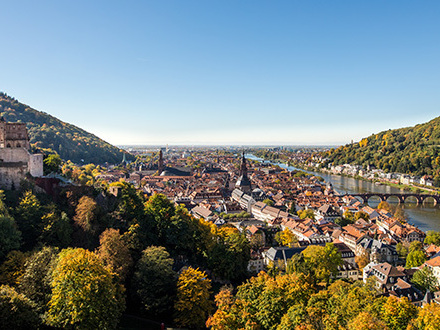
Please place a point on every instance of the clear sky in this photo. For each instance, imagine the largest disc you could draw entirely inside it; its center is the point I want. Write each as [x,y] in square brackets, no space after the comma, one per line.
[225,72]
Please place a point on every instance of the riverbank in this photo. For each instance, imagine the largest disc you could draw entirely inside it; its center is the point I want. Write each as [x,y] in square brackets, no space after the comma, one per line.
[426,216]
[409,188]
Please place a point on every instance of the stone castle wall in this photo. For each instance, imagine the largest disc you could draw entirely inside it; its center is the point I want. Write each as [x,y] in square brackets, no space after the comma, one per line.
[15,159]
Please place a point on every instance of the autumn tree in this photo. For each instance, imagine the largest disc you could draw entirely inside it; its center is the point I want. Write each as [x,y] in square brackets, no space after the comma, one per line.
[154,281]
[362,260]
[114,252]
[224,317]
[286,238]
[85,294]
[385,206]
[257,241]
[398,312]
[366,321]
[192,306]
[86,214]
[428,318]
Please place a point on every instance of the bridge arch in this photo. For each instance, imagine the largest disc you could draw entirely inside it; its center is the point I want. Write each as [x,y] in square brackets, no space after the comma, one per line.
[393,199]
[367,198]
[429,199]
[408,198]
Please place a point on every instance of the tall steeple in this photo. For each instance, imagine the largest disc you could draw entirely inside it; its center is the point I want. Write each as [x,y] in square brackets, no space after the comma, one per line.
[243,182]
[243,168]
[160,166]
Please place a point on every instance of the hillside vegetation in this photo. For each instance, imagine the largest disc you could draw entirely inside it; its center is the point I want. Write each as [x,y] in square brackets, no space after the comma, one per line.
[47,132]
[412,150]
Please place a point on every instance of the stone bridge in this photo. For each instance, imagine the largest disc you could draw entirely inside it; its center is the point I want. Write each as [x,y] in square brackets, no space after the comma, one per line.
[420,198]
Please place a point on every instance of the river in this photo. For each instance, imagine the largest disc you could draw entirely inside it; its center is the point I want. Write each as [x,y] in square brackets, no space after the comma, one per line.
[426,216]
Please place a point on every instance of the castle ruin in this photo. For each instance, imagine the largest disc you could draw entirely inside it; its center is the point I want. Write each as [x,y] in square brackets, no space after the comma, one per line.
[15,159]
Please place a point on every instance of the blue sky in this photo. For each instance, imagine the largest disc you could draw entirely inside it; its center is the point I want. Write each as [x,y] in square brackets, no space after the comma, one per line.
[225,72]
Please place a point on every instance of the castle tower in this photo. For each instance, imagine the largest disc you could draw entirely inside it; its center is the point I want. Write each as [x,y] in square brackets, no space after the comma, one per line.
[13,135]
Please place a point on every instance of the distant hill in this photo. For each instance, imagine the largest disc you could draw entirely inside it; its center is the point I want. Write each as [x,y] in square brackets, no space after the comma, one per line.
[412,150]
[69,141]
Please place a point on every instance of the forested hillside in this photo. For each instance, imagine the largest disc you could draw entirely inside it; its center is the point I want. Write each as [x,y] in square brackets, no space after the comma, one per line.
[413,150]
[69,141]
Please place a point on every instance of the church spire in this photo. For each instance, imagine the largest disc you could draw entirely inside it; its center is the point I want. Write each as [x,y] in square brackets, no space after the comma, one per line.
[160,167]
[243,169]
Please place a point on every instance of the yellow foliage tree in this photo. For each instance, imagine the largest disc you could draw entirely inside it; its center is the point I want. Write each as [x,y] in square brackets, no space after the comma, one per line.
[85,294]
[428,318]
[193,305]
[366,321]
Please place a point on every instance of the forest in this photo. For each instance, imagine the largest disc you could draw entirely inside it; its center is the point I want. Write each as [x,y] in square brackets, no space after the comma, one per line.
[48,135]
[411,150]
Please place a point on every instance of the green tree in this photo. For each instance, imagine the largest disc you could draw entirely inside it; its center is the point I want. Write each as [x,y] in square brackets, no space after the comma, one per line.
[28,217]
[424,279]
[57,230]
[415,259]
[308,213]
[10,236]
[415,246]
[85,294]
[268,202]
[361,215]
[192,305]
[16,310]
[154,281]
[432,237]
[37,275]
[13,267]
[229,255]
[52,163]
[400,214]
[323,260]
[402,250]
[292,207]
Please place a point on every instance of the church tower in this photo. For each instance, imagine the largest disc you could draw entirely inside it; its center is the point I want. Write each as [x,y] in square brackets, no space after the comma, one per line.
[243,182]
[160,166]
